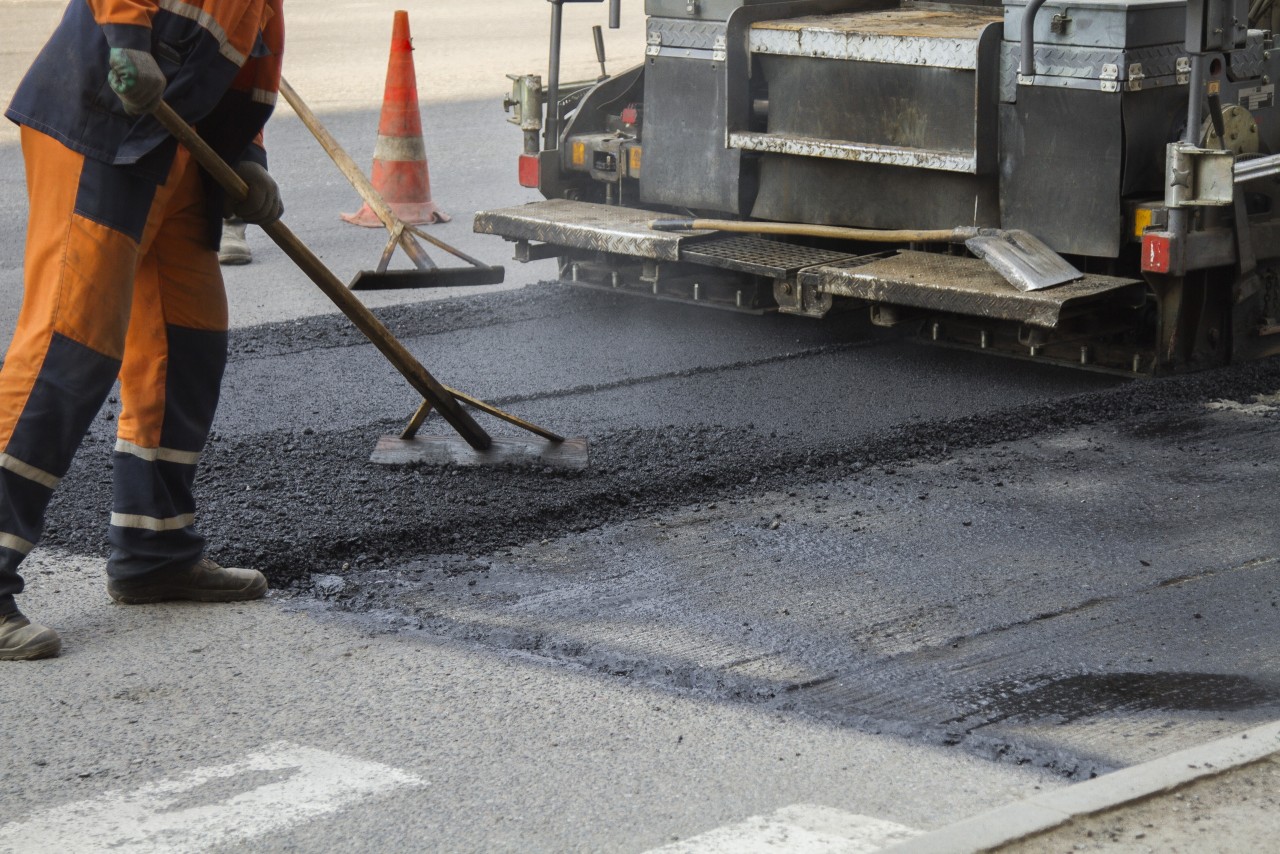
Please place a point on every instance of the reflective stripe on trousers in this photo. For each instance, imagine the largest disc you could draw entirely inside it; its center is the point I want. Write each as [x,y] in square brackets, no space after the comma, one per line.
[119,280]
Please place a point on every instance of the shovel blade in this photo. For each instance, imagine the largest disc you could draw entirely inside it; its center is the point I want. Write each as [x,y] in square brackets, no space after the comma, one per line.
[455,277]
[1023,259]
[446,450]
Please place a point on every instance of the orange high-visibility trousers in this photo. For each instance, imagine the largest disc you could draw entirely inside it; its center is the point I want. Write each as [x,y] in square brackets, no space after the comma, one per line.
[121,279]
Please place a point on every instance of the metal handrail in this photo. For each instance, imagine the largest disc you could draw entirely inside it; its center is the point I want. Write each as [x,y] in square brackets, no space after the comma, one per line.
[1257,167]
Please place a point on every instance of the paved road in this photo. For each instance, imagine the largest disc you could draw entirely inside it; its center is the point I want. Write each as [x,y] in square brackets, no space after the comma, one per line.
[912,642]
[499,752]
[821,584]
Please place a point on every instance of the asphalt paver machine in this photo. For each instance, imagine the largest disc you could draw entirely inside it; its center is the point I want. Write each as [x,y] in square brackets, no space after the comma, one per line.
[817,156]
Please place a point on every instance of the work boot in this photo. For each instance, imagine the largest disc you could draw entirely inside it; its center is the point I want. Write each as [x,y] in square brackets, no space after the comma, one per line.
[23,640]
[203,581]
[234,249]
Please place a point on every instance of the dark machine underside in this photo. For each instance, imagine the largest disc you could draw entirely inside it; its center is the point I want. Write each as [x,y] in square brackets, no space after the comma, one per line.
[924,116]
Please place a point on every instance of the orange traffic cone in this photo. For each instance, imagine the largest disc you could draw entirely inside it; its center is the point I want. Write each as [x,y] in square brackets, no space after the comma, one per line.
[400,160]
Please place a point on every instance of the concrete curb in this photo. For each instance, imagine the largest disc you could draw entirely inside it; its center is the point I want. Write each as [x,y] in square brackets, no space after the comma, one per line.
[1045,812]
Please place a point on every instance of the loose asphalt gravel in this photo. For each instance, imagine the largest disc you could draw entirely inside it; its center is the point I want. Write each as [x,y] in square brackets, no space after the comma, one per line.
[306,499]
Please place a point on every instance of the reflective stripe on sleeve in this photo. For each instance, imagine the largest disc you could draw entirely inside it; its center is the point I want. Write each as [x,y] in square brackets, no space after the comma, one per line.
[207,21]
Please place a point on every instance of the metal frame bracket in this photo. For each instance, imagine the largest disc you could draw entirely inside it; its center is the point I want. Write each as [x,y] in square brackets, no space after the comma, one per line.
[1198,177]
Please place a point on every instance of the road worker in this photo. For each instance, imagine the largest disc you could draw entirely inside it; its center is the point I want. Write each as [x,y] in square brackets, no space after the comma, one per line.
[121,279]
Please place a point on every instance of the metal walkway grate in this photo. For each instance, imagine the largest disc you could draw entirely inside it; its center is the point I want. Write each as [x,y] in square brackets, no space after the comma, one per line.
[760,257]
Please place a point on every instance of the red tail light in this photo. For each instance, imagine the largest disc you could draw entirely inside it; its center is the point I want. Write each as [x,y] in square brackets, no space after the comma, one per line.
[1156,253]
[529,172]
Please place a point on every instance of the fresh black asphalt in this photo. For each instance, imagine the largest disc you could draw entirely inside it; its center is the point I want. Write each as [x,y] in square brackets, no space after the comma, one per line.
[897,537]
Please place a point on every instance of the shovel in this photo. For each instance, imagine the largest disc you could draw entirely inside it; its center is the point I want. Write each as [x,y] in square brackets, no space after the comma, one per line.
[427,274]
[440,397]
[1025,261]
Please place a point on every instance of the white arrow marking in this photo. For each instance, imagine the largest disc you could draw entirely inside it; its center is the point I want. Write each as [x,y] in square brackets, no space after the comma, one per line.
[286,785]
[799,829]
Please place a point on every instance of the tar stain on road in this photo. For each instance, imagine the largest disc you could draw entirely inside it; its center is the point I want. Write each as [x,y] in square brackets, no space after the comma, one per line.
[1074,697]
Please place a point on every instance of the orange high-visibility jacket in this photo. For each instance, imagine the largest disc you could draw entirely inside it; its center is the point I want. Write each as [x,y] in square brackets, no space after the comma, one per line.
[221,59]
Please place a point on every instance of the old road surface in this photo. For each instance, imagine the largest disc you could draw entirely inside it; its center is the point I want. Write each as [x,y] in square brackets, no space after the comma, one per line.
[823,588]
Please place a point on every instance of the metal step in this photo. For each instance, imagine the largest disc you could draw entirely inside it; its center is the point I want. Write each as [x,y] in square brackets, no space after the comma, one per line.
[626,231]
[586,225]
[858,152]
[921,37]
[934,61]
[959,285]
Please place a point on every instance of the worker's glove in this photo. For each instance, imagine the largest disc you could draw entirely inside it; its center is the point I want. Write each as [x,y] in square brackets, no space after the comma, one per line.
[136,78]
[262,205]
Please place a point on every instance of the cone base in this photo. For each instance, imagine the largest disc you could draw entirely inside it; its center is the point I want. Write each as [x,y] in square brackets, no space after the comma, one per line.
[410,213]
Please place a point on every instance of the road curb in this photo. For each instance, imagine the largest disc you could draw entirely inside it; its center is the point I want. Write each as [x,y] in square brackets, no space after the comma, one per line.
[1050,810]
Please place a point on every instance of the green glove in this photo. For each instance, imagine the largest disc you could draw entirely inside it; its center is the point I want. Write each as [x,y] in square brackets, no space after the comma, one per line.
[136,78]
[262,205]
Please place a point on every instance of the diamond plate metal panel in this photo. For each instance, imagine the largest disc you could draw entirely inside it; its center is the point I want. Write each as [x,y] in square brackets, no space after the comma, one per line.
[1249,63]
[674,32]
[959,286]
[1103,23]
[1107,69]
[585,225]
[899,37]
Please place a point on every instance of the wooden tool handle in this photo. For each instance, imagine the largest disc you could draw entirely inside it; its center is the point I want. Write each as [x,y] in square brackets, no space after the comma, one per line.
[365,188]
[365,321]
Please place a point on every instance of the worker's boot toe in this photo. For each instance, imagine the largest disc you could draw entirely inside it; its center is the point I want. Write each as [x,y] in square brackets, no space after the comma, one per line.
[203,581]
[234,248]
[23,640]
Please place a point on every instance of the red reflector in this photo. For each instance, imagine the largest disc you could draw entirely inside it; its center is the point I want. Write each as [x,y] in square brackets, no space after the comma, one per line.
[529,172]
[630,115]
[1155,253]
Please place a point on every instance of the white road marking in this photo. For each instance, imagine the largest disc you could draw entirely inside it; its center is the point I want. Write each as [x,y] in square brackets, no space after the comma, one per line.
[1263,404]
[799,829]
[285,785]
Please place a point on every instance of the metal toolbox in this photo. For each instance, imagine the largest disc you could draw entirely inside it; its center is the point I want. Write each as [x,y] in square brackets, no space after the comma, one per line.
[1119,24]
[1101,45]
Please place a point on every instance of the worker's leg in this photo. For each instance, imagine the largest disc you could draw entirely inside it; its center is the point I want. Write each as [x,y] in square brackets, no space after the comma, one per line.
[85,222]
[173,362]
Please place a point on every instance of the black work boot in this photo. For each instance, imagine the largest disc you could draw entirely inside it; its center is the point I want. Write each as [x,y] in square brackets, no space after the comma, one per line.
[23,640]
[203,581]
